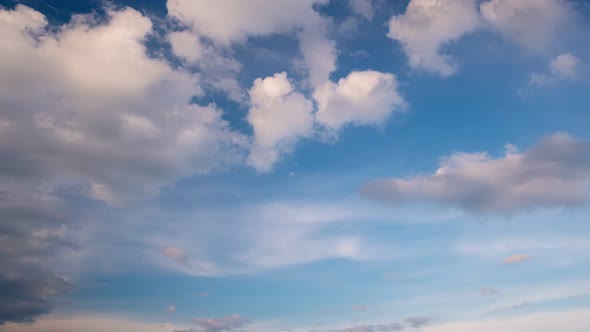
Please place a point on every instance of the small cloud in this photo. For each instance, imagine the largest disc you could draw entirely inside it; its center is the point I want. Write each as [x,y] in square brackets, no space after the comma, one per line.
[540,79]
[172,309]
[176,254]
[487,291]
[359,308]
[417,322]
[362,8]
[565,66]
[520,305]
[231,323]
[516,258]
[203,294]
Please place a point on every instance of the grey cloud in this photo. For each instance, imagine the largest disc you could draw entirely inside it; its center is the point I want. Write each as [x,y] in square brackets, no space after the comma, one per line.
[31,233]
[488,291]
[372,328]
[417,322]
[231,323]
[520,305]
[554,173]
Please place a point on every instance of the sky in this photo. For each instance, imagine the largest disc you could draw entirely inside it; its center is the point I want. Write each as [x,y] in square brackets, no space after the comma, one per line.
[301,166]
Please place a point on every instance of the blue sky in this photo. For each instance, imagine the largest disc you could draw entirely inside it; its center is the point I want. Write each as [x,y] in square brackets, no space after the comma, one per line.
[280,165]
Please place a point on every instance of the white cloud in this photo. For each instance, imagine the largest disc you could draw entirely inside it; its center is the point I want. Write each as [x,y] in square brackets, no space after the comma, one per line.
[279,116]
[361,98]
[515,258]
[565,66]
[363,8]
[186,45]
[104,115]
[227,21]
[177,254]
[319,53]
[532,24]
[540,79]
[554,173]
[427,26]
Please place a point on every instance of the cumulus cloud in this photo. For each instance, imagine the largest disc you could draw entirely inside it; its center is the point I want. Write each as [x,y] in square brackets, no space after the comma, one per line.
[186,45]
[234,322]
[361,98]
[427,26]
[515,258]
[565,66]
[104,115]
[554,173]
[532,24]
[227,22]
[279,116]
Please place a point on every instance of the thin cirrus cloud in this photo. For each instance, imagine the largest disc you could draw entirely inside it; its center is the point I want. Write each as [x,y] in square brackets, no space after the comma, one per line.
[554,173]
[515,259]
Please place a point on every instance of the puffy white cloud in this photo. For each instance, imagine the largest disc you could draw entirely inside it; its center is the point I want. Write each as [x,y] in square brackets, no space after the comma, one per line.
[554,173]
[227,21]
[186,45]
[533,24]
[428,25]
[565,66]
[87,105]
[361,98]
[279,116]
